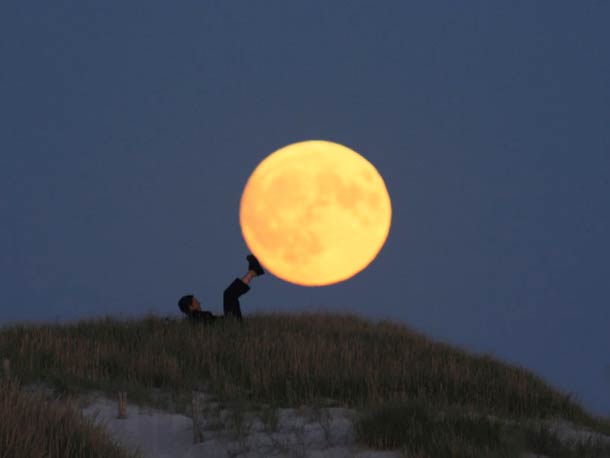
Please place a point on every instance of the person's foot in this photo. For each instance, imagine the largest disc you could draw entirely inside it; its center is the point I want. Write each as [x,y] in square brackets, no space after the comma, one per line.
[254,265]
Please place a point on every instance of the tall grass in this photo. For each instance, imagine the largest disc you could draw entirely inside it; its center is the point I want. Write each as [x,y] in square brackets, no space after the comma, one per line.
[282,359]
[422,430]
[32,426]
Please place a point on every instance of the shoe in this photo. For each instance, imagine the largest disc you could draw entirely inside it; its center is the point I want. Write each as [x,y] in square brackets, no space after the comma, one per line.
[254,265]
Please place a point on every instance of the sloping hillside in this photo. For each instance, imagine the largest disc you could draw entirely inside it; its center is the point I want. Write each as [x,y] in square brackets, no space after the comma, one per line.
[391,374]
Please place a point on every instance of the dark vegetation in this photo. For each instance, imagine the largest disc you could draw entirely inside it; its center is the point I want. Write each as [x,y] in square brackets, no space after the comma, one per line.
[32,426]
[426,397]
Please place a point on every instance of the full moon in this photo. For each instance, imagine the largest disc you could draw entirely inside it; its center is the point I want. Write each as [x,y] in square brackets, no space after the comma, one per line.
[315,213]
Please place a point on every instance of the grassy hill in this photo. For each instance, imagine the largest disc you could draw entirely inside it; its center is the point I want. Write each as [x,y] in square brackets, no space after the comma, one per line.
[412,392]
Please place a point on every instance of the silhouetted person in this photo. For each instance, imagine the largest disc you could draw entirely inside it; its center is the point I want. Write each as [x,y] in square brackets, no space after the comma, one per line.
[191,307]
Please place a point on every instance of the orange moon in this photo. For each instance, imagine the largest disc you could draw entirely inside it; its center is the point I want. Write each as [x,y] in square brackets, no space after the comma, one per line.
[315,213]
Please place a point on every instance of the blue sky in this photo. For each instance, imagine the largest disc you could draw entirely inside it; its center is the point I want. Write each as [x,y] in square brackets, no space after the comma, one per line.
[128,131]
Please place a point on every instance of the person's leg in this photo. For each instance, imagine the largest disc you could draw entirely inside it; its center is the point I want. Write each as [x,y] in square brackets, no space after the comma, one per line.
[240,287]
[231,296]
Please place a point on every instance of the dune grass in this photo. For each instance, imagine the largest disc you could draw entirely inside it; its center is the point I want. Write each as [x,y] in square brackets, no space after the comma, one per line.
[33,426]
[420,429]
[285,360]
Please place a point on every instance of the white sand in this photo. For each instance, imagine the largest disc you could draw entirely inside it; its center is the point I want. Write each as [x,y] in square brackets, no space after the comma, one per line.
[156,433]
[298,433]
[159,434]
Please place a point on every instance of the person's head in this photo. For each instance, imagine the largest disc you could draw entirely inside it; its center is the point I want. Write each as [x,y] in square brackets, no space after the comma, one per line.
[189,303]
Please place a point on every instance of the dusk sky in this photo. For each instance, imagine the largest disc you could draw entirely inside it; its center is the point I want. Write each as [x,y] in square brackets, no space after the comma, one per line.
[129,129]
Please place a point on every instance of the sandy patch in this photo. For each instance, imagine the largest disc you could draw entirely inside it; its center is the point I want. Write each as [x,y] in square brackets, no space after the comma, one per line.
[157,434]
[233,433]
